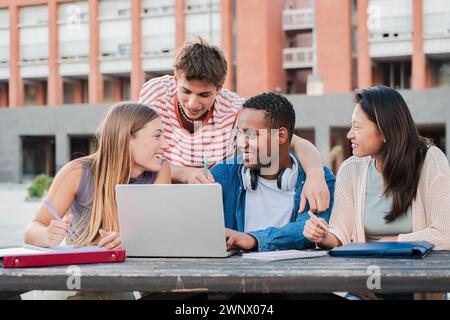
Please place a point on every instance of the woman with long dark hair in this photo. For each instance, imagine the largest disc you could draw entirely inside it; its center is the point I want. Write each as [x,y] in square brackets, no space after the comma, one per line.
[397,185]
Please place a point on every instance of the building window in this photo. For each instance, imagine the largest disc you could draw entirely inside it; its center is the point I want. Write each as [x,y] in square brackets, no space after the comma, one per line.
[108,91]
[396,74]
[35,93]
[126,88]
[297,80]
[38,156]
[354,5]
[203,19]
[4,90]
[75,91]
[69,93]
[116,89]
[124,12]
[81,146]
[441,73]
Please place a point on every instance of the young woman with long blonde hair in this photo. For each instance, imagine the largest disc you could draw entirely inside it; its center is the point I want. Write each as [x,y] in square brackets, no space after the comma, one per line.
[130,149]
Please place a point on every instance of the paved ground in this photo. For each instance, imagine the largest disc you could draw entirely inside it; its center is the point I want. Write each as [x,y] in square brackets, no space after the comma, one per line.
[15,213]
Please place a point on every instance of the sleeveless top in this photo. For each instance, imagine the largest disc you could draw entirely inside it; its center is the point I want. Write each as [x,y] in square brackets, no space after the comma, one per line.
[82,204]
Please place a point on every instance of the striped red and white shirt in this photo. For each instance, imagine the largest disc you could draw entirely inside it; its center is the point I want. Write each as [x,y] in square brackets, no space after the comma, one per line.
[211,142]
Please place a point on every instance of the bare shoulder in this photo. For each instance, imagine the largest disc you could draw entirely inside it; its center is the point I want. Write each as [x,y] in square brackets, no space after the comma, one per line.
[69,175]
[73,168]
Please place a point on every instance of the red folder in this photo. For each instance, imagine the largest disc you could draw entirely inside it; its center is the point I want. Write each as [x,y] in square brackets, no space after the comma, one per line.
[63,258]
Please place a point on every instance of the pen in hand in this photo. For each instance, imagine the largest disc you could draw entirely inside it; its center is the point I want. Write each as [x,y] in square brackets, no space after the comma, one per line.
[321,224]
[72,233]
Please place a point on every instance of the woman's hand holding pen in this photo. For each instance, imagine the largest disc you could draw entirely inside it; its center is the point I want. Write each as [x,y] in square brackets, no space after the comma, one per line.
[58,230]
[315,228]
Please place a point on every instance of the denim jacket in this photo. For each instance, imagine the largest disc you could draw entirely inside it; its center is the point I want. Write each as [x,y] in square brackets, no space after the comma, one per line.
[289,236]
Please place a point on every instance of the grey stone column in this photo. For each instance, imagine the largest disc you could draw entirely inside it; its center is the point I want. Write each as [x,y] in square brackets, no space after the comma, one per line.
[322,137]
[62,149]
[16,157]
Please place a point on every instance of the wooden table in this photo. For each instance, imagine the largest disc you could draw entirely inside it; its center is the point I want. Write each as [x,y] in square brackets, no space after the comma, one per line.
[237,275]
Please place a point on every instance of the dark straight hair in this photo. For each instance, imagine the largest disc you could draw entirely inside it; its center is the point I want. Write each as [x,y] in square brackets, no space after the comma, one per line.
[404,150]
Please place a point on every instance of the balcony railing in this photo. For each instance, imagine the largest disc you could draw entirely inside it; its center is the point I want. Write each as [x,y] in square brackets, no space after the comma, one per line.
[202,6]
[115,50]
[298,19]
[158,45]
[390,36]
[391,28]
[436,24]
[4,56]
[34,53]
[294,58]
[158,11]
[73,50]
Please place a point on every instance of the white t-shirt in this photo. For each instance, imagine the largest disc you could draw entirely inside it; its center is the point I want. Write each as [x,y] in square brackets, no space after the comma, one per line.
[267,206]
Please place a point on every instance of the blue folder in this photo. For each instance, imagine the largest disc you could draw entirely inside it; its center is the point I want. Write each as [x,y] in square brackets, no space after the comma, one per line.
[394,250]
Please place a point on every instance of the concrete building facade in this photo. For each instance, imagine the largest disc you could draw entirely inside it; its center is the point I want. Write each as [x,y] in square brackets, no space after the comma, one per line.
[63,62]
[321,114]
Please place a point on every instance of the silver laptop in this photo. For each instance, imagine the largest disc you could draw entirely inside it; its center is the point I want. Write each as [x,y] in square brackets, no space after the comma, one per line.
[173,220]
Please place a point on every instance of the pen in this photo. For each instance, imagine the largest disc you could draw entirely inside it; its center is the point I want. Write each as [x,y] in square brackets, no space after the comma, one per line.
[205,167]
[72,233]
[321,224]
[212,164]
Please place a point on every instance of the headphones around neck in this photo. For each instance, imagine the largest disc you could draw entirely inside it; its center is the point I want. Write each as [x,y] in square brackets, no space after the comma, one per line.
[286,179]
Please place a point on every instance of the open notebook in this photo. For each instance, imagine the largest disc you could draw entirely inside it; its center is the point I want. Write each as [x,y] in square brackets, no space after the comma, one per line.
[31,256]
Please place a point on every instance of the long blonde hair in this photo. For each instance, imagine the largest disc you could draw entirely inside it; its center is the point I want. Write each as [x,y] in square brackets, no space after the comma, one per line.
[111,165]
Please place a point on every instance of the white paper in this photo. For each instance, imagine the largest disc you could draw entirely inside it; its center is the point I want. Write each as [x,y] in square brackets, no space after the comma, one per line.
[20,251]
[70,249]
[283,255]
[30,250]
